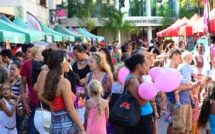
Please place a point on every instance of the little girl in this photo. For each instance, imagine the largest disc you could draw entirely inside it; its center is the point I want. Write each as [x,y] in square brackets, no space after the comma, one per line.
[8,109]
[97,109]
[195,115]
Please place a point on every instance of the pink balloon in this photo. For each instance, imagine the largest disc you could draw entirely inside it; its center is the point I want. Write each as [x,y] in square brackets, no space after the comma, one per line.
[213,49]
[123,72]
[19,49]
[154,72]
[147,90]
[168,80]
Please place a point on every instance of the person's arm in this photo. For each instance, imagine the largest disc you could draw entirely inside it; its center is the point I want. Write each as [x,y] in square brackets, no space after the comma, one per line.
[154,107]
[85,88]
[19,111]
[107,111]
[87,107]
[40,87]
[196,76]
[197,108]
[120,55]
[66,93]
[133,90]
[109,84]
[184,87]
[6,110]
[22,87]
[197,63]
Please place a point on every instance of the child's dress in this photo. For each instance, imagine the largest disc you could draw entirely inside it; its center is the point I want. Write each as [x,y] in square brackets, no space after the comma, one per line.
[7,124]
[96,125]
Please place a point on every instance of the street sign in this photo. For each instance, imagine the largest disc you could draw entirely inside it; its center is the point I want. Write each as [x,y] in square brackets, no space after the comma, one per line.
[9,3]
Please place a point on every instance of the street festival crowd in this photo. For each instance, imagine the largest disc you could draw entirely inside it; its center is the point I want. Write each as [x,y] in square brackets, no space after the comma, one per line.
[107,88]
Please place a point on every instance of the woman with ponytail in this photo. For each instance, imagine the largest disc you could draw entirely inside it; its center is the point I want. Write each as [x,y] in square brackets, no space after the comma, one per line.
[208,109]
[58,92]
[138,66]
[97,109]
[100,70]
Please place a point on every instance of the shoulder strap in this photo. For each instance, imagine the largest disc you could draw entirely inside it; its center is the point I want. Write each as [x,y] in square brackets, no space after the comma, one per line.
[93,102]
[126,84]
[5,101]
[89,78]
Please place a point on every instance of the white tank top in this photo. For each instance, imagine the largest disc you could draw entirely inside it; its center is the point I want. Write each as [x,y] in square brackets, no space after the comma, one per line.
[200,58]
[6,121]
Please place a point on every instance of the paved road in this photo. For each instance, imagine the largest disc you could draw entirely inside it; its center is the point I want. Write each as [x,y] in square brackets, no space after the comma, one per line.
[162,126]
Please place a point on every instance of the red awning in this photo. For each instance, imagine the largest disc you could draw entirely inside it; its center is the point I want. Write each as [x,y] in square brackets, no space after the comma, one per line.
[212,25]
[173,31]
[162,33]
[188,29]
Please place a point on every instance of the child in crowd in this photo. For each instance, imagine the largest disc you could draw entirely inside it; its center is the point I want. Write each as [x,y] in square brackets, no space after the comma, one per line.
[195,91]
[186,71]
[97,109]
[8,109]
[19,56]
[117,85]
[37,63]
[80,101]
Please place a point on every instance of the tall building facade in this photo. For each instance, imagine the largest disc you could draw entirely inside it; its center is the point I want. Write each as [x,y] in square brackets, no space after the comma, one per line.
[39,8]
[147,15]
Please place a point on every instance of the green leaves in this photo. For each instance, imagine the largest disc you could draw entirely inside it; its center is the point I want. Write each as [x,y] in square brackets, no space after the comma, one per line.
[115,24]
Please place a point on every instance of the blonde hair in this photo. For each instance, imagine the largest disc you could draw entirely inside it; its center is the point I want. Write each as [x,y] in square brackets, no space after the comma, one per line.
[36,49]
[95,87]
[149,55]
[120,66]
[185,55]
[102,62]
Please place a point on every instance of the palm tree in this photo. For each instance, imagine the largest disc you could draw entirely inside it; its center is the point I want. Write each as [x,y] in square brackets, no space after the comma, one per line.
[195,3]
[115,24]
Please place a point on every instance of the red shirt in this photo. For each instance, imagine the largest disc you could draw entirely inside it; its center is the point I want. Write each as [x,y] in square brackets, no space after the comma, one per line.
[26,71]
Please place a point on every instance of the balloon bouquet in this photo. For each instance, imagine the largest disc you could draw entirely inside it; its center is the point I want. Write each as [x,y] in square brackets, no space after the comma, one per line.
[166,80]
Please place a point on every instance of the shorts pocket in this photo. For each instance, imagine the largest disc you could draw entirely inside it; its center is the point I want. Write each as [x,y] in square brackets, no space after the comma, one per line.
[177,118]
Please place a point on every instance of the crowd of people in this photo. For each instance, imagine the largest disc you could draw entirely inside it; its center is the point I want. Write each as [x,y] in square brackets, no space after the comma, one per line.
[67,90]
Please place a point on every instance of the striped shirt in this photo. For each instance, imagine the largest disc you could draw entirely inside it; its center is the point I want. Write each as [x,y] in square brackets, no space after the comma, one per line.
[16,90]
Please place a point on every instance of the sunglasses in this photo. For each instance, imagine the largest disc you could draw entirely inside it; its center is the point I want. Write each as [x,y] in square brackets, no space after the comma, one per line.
[65,59]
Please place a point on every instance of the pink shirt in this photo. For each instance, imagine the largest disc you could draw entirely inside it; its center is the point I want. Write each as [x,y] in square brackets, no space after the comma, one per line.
[196,113]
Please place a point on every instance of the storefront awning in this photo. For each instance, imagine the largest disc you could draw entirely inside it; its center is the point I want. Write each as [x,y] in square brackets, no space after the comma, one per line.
[57,36]
[63,30]
[13,37]
[30,35]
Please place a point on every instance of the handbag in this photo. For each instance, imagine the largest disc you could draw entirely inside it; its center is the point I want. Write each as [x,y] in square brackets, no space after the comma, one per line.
[126,110]
[46,115]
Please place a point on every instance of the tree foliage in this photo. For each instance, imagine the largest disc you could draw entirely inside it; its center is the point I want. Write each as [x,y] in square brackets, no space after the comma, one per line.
[108,15]
[195,4]
[115,24]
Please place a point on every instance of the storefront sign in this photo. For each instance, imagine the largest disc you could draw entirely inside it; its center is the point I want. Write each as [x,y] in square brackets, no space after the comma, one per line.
[9,3]
[145,21]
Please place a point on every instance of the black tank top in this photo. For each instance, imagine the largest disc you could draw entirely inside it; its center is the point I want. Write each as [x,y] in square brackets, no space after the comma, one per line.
[81,72]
